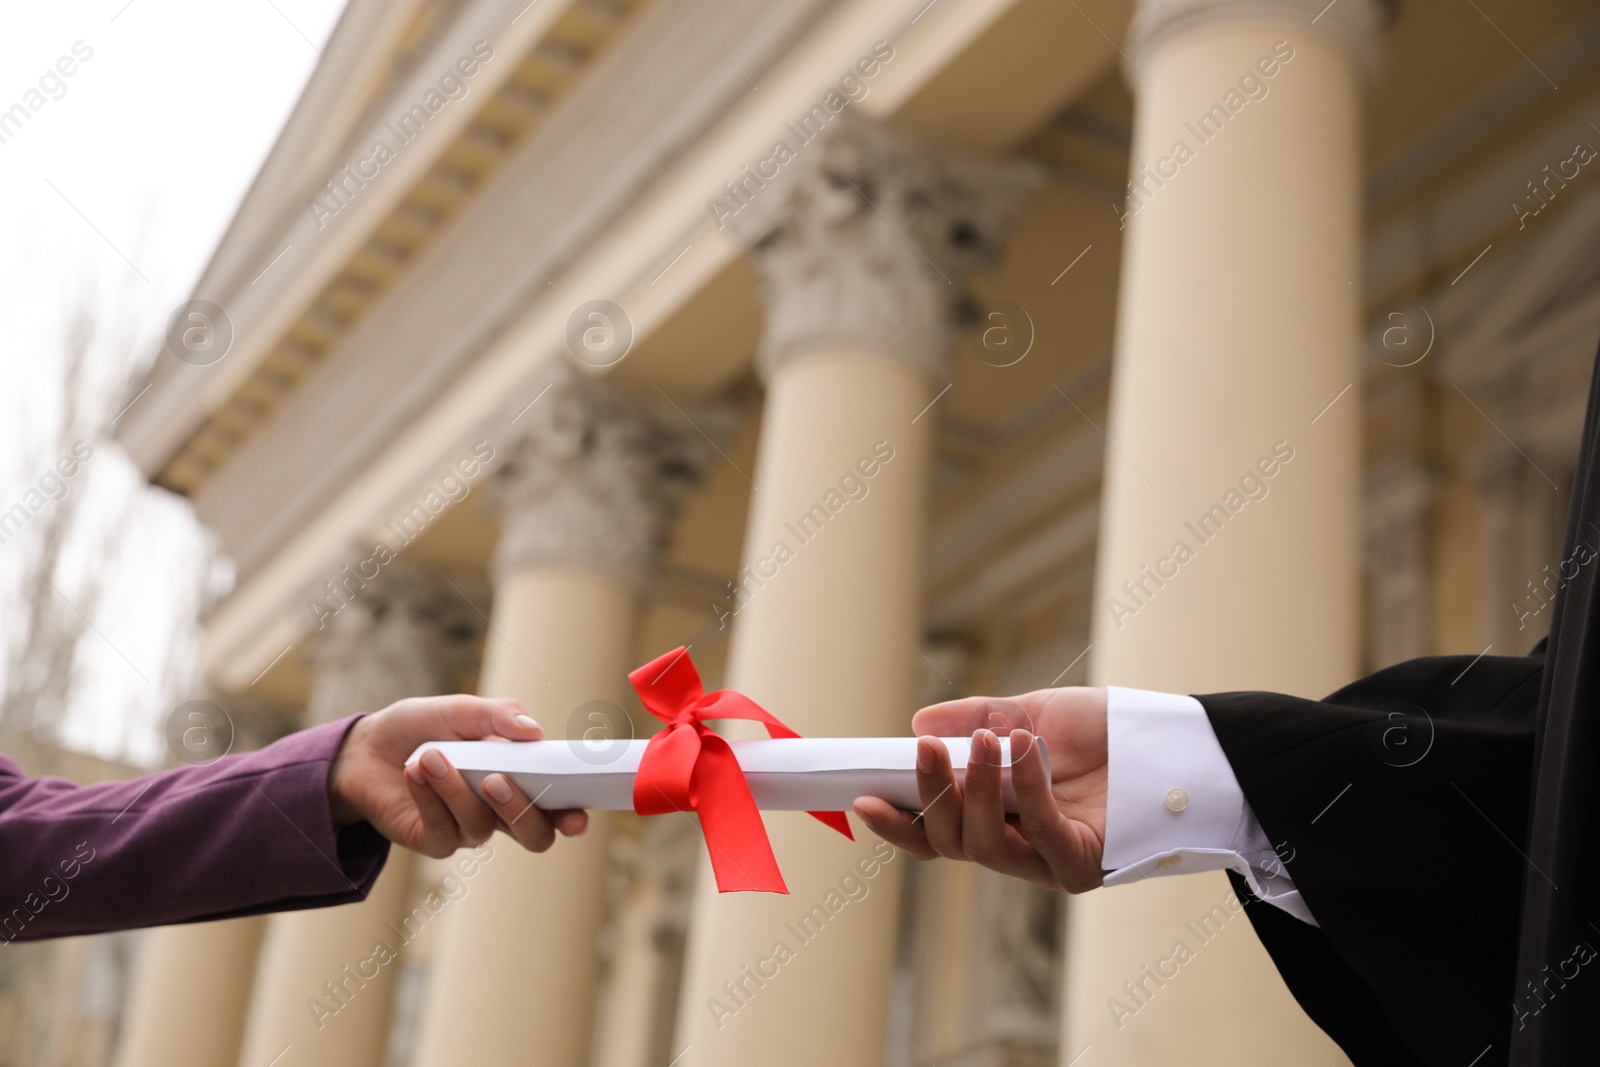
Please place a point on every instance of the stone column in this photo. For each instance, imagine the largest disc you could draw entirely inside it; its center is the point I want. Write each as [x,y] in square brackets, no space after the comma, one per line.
[187,1008]
[980,956]
[323,988]
[587,494]
[1399,503]
[1398,500]
[1239,330]
[191,985]
[861,247]
[648,891]
[1520,557]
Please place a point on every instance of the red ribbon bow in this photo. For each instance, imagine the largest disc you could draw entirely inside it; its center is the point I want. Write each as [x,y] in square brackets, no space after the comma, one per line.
[688,767]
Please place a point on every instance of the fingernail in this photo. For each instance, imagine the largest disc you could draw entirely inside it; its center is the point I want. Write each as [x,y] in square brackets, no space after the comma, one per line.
[527,722]
[925,755]
[434,763]
[498,788]
[986,747]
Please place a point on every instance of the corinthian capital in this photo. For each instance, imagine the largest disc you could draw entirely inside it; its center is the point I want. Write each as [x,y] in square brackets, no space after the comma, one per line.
[865,235]
[596,476]
[404,632]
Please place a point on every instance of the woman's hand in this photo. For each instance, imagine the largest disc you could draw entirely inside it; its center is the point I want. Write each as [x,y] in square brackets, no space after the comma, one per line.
[1057,839]
[429,808]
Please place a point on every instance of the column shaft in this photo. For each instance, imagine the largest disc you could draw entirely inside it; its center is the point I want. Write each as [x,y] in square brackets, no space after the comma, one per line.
[825,644]
[1238,327]
[321,987]
[513,980]
[586,495]
[861,246]
[325,982]
[187,1007]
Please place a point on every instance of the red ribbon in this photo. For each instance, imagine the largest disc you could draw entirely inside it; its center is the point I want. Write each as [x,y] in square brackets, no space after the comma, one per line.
[688,767]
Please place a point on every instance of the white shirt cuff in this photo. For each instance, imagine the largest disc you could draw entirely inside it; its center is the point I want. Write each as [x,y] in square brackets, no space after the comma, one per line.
[1173,804]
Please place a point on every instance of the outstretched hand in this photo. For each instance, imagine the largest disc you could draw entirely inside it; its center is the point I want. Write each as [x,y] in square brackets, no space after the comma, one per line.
[428,807]
[1057,838]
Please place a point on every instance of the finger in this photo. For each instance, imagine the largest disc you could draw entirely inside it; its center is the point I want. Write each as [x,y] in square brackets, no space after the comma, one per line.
[983,810]
[900,828]
[527,825]
[571,822]
[472,815]
[1058,840]
[986,834]
[437,835]
[941,798]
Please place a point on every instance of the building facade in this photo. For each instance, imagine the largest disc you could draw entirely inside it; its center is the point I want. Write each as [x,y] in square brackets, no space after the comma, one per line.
[881,352]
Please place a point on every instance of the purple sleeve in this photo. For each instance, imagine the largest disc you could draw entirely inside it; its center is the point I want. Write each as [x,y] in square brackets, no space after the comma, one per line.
[246,834]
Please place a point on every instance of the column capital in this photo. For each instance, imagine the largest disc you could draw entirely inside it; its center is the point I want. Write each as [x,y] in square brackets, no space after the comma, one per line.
[405,632]
[596,476]
[1357,25]
[865,236]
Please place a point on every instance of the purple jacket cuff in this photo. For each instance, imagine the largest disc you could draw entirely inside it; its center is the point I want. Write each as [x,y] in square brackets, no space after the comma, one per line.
[243,835]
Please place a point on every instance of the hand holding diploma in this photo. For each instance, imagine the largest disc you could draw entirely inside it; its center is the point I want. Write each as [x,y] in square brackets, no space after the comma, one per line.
[428,807]
[1057,837]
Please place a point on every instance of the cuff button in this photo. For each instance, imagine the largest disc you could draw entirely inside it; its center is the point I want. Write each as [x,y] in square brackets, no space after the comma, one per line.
[1177,800]
[1167,862]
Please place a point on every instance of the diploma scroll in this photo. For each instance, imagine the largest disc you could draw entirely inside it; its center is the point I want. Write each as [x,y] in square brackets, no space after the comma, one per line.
[688,766]
[784,774]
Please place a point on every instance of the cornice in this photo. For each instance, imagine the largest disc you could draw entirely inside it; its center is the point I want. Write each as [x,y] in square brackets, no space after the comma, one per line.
[637,149]
[643,102]
[312,279]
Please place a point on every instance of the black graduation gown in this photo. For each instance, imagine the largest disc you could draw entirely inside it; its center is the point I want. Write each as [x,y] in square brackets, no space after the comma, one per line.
[1439,819]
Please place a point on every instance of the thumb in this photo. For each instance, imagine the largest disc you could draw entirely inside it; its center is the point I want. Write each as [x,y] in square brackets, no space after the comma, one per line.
[958,718]
[470,718]
[513,723]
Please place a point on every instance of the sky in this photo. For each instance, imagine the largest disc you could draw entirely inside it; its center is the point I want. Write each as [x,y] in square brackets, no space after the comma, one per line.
[118,187]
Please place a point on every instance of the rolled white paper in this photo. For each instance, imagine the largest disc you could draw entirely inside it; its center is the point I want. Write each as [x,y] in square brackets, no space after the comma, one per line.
[785,774]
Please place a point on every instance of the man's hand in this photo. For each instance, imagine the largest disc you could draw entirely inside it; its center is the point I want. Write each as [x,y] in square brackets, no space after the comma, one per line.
[429,808]
[1057,839]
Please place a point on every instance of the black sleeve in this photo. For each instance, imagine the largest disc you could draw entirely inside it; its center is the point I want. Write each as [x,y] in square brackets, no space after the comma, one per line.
[1399,805]
[1333,995]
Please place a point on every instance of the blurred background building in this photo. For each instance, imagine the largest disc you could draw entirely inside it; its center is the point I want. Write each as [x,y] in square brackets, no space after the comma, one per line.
[832,339]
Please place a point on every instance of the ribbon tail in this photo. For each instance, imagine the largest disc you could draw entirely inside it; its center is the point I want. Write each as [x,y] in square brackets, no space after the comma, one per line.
[834,820]
[731,704]
[736,839]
